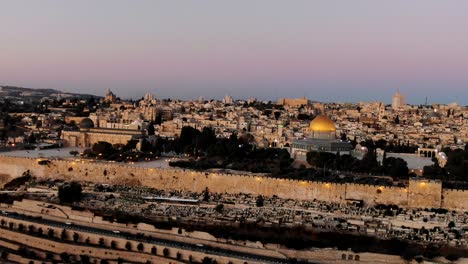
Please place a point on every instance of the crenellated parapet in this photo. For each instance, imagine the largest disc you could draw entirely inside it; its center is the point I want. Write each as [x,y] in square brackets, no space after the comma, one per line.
[419,193]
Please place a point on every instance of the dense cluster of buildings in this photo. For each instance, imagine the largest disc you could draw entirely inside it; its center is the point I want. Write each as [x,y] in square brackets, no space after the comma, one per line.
[297,124]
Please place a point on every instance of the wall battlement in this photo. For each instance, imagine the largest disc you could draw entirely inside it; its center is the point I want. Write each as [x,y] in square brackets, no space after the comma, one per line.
[419,193]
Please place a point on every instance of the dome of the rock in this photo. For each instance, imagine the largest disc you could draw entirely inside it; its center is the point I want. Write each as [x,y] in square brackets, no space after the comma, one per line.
[322,123]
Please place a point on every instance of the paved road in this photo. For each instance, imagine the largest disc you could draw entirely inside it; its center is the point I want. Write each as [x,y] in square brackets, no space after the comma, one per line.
[163,242]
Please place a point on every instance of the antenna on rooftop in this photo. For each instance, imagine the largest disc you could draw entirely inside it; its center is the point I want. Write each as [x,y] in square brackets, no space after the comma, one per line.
[426,101]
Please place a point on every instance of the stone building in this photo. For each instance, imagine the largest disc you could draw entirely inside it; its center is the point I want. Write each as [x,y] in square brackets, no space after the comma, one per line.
[293,102]
[110,96]
[398,101]
[88,135]
[322,138]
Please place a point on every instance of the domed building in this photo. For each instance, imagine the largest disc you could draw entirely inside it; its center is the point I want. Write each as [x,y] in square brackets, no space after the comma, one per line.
[89,134]
[322,127]
[322,138]
[86,123]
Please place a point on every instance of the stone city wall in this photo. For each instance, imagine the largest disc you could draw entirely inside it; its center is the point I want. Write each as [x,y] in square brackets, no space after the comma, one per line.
[455,199]
[424,194]
[374,194]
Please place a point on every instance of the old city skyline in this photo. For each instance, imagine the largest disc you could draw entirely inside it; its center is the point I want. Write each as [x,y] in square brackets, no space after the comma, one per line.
[234,132]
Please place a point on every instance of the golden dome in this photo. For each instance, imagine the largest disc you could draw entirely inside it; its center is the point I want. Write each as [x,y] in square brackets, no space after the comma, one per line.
[322,123]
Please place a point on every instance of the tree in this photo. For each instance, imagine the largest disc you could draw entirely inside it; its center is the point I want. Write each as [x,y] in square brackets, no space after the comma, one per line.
[153,250]
[64,234]
[452,257]
[277,114]
[70,192]
[343,137]
[128,245]
[303,116]
[187,138]
[206,195]
[131,145]
[397,168]
[150,131]
[84,259]
[158,119]
[49,256]
[381,143]
[206,138]
[50,233]
[219,208]
[457,165]
[369,162]
[74,153]
[140,247]
[76,237]
[451,225]
[65,257]
[102,148]
[320,159]
[207,260]
[260,201]
[31,139]
[101,242]
[113,244]
[166,252]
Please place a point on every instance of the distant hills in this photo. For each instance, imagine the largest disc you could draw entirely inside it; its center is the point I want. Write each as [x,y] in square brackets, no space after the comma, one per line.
[14,91]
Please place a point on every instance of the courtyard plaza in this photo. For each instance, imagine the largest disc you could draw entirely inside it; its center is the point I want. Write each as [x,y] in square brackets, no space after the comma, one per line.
[64,154]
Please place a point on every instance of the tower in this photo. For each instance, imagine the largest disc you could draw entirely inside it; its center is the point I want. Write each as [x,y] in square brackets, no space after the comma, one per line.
[398,101]
[381,111]
[110,96]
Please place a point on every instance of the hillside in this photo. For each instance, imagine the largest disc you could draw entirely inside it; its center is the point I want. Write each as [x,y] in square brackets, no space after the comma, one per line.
[13,91]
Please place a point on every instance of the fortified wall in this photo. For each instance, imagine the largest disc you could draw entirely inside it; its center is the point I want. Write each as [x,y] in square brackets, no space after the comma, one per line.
[419,193]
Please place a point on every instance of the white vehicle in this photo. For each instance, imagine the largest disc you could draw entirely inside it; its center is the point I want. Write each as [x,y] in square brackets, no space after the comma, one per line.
[68,223]
[116,231]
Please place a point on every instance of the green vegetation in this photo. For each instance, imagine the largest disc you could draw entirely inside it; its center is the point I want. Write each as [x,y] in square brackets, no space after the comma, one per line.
[397,168]
[70,192]
[456,168]
[233,153]
[18,182]
[118,152]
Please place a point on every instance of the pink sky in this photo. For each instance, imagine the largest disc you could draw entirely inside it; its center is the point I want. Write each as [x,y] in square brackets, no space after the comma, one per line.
[181,48]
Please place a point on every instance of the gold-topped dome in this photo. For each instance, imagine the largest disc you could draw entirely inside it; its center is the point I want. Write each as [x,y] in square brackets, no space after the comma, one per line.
[322,123]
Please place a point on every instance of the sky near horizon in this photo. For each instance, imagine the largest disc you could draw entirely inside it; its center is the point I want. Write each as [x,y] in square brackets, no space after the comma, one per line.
[327,50]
